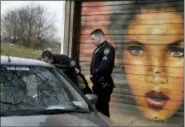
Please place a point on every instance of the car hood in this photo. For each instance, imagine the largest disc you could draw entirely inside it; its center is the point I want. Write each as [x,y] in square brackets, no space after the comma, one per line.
[71,119]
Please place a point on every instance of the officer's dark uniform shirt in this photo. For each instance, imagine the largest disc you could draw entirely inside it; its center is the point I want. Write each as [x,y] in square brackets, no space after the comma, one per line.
[65,60]
[61,59]
[102,62]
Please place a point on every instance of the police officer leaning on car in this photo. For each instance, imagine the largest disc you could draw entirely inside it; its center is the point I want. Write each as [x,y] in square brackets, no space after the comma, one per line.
[49,57]
[61,61]
[101,68]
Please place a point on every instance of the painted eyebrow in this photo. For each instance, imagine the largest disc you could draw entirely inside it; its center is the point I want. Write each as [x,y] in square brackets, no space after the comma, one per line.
[135,43]
[178,42]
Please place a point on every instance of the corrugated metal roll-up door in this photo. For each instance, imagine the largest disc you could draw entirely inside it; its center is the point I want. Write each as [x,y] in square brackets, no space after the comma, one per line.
[146,41]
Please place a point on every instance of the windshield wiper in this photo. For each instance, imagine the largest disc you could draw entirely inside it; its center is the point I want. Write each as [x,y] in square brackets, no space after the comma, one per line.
[10,103]
[58,111]
[45,112]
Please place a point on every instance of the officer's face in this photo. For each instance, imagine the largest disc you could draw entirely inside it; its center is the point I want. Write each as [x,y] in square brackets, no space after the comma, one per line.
[96,39]
[154,62]
[46,59]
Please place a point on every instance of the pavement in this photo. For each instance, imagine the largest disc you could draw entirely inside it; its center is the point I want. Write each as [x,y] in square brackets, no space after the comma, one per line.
[125,119]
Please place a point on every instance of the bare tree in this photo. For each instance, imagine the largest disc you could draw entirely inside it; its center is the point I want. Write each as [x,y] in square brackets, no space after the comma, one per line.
[9,24]
[22,25]
[28,22]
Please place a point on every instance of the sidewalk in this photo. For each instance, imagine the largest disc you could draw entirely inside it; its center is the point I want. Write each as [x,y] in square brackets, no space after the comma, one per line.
[122,119]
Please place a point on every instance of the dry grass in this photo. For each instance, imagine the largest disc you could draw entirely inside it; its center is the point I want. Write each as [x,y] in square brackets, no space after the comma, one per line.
[19,51]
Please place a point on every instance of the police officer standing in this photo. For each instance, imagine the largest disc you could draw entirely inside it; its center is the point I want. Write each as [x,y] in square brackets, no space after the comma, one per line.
[101,68]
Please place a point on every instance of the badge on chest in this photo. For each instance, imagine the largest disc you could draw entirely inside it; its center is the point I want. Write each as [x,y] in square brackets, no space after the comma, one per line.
[106,51]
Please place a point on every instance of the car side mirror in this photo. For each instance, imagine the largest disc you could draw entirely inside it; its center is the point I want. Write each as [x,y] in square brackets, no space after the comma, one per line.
[92,98]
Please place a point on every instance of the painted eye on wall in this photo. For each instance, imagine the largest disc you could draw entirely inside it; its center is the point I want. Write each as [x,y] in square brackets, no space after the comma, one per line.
[136,50]
[177,53]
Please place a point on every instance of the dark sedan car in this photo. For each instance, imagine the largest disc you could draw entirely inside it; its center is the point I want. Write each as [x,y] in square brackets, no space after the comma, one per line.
[35,93]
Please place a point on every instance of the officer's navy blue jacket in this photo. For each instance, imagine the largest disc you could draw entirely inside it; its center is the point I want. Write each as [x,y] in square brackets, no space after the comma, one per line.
[102,62]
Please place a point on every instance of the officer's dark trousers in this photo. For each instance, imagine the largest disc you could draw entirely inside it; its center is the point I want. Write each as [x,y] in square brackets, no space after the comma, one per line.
[104,95]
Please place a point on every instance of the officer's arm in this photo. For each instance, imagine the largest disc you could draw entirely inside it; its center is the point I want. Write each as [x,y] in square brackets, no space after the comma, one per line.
[108,57]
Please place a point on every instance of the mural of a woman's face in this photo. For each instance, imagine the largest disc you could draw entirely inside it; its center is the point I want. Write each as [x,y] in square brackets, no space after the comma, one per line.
[154,62]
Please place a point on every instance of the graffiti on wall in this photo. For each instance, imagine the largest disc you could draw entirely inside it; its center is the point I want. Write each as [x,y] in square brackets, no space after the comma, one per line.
[153,58]
[149,41]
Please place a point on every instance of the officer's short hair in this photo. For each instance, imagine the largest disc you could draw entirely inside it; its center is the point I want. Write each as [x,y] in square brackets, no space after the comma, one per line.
[47,54]
[97,32]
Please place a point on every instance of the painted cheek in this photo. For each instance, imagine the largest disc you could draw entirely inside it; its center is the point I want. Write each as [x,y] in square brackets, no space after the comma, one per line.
[175,67]
[172,105]
[135,73]
[175,61]
[140,100]
[176,88]
[135,64]
[175,93]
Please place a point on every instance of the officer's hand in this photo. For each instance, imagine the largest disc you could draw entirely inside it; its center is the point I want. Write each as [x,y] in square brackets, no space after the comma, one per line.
[104,84]
[102,80]
[77,70]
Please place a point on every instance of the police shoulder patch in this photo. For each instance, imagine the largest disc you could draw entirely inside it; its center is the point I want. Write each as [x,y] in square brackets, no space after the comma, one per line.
[72,63]
[106,51]
[105,58]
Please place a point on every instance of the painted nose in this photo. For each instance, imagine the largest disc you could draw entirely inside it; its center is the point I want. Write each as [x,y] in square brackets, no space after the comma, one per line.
[157,77]
[157,70]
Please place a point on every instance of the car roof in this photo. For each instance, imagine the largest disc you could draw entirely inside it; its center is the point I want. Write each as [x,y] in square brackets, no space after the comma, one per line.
[12,60]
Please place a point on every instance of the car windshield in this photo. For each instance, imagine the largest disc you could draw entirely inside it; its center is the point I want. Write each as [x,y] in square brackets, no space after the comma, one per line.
[36,88]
